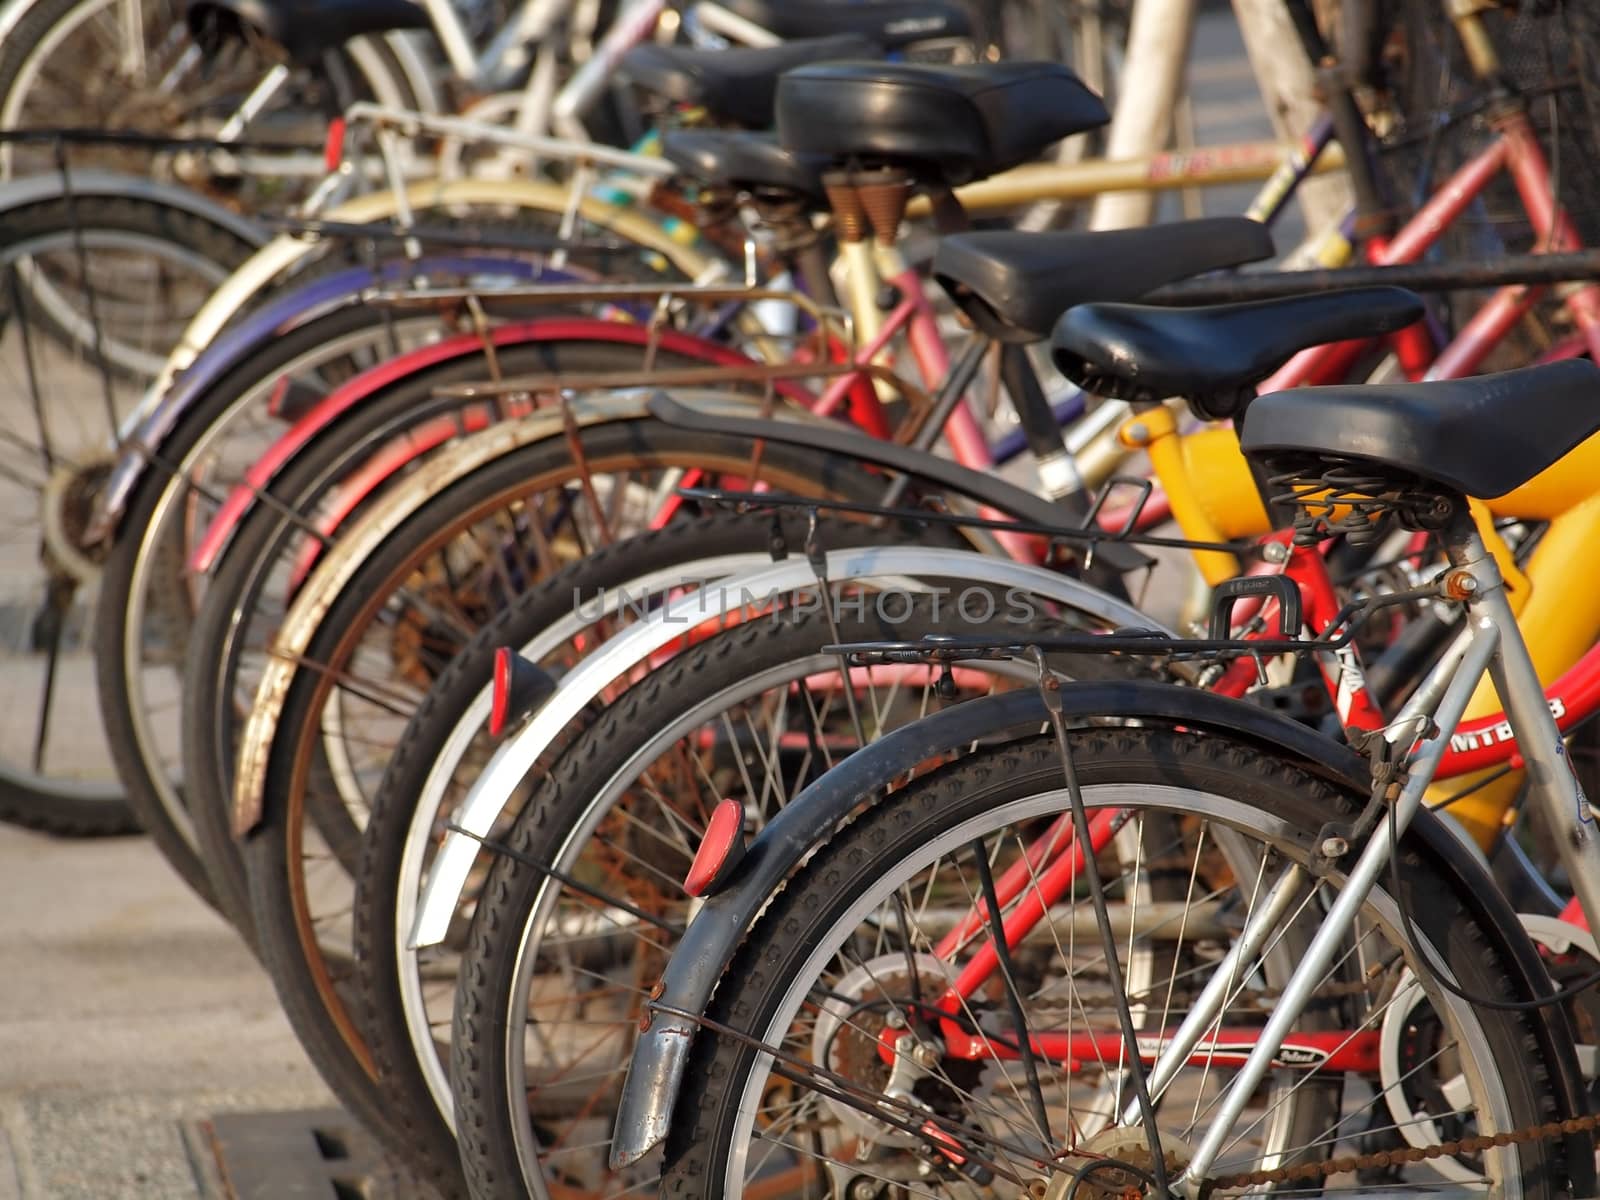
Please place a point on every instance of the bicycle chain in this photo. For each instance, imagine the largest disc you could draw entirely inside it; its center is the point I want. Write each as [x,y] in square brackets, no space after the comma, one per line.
[1408,1154]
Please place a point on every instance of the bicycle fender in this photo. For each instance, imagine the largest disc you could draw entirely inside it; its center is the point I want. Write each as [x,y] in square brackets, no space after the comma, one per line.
[988,489]
[701,958]
[49,185]
[490,793]
[306,303]
[352,393]
[363,536]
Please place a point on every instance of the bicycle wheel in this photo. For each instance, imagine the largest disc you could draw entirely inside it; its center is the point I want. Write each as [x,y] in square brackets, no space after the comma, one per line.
[824,976]
[379,643]
[149,266]
[248,593]
[115,278]
[406,994]
[554,976]
[117,64]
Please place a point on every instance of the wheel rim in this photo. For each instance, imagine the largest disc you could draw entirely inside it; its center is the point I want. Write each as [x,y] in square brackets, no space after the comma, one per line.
[302,764]
[1494,1113]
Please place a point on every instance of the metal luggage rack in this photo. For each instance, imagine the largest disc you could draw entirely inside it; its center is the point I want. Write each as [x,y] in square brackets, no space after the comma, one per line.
[945,649]
[661,300]
[1087,535]
[662,307]
[942,649]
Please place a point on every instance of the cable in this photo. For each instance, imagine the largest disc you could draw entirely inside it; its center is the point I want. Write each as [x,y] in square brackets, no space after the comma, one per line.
[1411,931]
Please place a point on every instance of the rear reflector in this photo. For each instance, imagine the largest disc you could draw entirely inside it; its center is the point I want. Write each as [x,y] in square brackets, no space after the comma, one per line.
[519,687]
[501,705]
[720,850]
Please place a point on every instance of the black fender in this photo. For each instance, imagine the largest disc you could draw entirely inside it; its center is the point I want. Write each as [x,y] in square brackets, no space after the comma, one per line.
[834,438]
[708,946]
[50,185]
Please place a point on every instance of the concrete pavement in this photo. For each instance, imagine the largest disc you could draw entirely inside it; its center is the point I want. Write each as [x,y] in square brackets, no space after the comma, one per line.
[128,1011]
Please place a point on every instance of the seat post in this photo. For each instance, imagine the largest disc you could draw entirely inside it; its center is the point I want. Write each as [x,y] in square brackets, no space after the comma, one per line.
[850,224]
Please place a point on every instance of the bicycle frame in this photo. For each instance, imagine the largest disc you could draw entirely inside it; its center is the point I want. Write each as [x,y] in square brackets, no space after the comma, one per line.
[1214,497]
[1528,733]
[541,108]
[1048,872]
[1491,643]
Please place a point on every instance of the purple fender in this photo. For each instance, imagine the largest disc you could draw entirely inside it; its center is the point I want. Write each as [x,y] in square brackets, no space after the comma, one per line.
[215,537]
[304,303]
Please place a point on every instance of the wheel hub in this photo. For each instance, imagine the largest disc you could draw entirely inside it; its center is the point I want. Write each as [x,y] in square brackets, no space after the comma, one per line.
[846,1037]
[67,504]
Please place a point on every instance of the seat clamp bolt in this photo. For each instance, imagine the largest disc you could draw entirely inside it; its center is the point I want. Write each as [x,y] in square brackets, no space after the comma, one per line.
[1460,585]
[1275,552]
[1334,847]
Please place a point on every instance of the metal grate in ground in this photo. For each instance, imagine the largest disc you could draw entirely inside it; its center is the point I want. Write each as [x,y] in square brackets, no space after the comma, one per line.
[311,1154]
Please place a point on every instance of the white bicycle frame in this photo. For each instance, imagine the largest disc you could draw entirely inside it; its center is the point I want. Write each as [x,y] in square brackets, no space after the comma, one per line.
[530,37]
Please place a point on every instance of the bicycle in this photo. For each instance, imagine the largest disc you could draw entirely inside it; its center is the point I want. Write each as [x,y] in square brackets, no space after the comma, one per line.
[139,256]
[1248,760]
[511,773]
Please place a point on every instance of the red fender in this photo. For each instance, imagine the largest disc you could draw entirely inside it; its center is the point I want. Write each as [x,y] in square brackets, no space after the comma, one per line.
[571,329]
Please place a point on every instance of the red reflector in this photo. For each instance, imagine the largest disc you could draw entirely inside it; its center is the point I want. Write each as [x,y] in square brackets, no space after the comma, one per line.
[723,834]
[502,691]
[333,148]
[275,401]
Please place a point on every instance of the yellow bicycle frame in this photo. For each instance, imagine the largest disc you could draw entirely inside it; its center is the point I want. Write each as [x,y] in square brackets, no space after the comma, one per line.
[1214,498]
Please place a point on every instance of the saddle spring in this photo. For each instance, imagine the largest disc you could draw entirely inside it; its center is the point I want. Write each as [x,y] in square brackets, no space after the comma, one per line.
[1331,496]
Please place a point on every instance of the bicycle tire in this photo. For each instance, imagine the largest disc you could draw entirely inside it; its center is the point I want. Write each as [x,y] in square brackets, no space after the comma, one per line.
[274,871]
[971,799]
[40,796]
[92,217]
[380,928]
[594,779]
